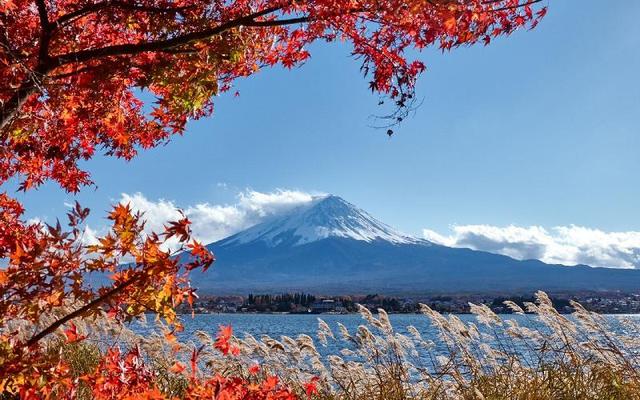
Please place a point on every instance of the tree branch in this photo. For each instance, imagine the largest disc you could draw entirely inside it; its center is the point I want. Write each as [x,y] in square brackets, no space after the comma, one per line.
[28,87]
[45,32]
[141,47]
[9,109]
[79,13]
[520,5]
[279,22]
[47,63]
[89,306]
[42,13]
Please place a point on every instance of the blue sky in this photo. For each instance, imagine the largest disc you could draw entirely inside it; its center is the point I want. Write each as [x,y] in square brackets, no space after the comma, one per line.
[538,129]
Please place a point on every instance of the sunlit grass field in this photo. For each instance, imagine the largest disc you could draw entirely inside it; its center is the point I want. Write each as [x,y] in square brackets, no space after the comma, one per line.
[577,356]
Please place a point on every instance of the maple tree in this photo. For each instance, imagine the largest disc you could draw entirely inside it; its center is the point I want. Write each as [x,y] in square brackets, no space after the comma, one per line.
[49,270]
[71,74]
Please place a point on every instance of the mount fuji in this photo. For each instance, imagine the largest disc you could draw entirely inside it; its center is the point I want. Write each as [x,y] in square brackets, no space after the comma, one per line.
[330,246]
[324,217]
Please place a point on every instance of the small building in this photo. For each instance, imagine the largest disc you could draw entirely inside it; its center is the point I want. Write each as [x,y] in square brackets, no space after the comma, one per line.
[326,305]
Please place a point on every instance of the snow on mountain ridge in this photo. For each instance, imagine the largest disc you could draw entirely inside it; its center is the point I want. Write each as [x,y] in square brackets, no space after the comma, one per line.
[323,217]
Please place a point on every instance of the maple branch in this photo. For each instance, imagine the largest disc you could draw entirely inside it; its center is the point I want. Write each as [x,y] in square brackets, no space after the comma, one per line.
[45,32]
[279,22]
[519,5]
[42,13]
[31,84]
[79,13]
[141,47]
[293,21]
[89,306]
[46,63]
[28,87]
[163,45]
[6,44]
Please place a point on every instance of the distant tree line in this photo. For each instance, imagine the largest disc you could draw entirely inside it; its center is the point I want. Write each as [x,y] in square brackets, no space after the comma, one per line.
[303,302]
[285,302]
[601,302]
[559,303]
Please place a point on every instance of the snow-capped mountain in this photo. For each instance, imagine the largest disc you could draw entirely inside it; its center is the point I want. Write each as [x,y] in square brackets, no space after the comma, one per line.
[330,246]
[324,217]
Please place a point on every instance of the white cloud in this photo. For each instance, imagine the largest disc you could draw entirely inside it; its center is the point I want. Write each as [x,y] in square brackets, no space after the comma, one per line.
[211,222]
[567,245]
[265,204]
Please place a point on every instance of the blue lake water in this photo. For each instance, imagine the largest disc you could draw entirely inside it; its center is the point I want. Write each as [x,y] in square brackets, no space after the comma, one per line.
[292,325]
[277,325]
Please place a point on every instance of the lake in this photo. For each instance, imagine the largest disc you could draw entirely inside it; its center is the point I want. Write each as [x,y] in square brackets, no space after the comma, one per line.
[277,325]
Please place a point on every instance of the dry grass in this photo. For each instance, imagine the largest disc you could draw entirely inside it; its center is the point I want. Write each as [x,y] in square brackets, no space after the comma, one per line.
[577,357]
[563,358]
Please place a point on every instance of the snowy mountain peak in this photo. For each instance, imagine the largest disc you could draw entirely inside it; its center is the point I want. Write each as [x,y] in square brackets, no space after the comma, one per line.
[323,217]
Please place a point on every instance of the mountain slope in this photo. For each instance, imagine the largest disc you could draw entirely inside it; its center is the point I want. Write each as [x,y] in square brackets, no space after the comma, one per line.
[330,246]
[324,217]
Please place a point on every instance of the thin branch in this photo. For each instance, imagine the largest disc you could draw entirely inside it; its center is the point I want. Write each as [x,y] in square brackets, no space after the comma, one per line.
[29,86]
[89,306]
[4,42]
[141,47]
[162,45]
[516,6]
[46,64]
[279,22]
[79,13]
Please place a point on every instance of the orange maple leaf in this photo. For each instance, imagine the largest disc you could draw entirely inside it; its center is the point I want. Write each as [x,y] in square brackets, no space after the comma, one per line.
[72,333]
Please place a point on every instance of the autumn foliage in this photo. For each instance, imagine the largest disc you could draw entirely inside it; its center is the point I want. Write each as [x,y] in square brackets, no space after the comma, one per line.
[71,75]
[70,70]
[125,376]
[50,267]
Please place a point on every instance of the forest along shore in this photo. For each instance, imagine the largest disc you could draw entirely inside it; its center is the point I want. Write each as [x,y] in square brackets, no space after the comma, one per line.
[305,303]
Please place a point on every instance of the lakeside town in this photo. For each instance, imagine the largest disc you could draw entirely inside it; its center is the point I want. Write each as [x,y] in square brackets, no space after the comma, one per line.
[304,303]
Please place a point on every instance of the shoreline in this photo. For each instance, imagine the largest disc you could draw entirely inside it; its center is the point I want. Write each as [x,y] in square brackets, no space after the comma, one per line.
[388,312]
